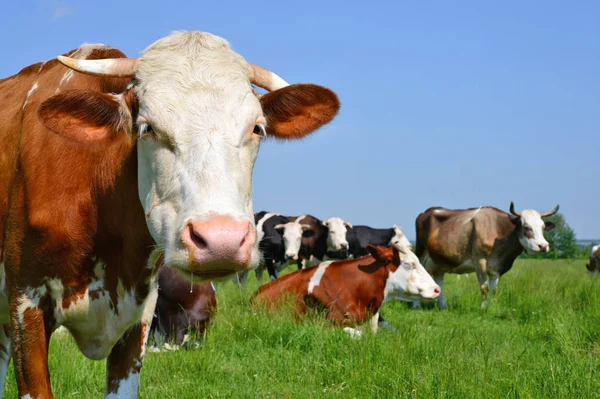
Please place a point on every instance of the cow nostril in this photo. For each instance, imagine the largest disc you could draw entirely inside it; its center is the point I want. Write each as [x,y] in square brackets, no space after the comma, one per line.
[436,290]
[197,238]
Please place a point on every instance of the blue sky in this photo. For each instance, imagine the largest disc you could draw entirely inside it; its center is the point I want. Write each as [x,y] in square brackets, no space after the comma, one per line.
[457,104]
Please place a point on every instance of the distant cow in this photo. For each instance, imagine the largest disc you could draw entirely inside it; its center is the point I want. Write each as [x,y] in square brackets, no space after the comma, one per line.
[182,308]
[321,239]
[594,265]
[359,237]
[279,242]
[354,290]
[485,240]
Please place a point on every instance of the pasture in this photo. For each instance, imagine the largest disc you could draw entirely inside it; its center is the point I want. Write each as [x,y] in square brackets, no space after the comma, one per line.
[540,338]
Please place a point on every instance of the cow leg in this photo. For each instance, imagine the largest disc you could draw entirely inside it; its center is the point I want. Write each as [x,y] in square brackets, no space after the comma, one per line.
[29,340]
[481,271]
[270,265]
[493,283]
[375,322]
[124,363]
[4,356]
[439,280]
[242,277]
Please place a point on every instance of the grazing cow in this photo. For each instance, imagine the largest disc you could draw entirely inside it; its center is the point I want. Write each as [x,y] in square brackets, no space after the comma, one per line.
[354,290]
[594,265]
[182,308]
[359,237]
[102,172]
[485,240]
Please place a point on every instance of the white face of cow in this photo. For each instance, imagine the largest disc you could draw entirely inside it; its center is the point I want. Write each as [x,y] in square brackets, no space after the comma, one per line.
[399,238]
[292,238]
[531,236]
[200,125]
[336,238]
[410,281]
[200,129]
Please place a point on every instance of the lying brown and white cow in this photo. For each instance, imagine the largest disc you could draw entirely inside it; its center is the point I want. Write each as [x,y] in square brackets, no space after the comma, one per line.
[594,264]
[183,309]
[483,240]
[100,168]
[354,290]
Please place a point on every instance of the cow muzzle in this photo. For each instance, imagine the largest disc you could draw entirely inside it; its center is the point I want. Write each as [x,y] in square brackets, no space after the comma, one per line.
[218,245]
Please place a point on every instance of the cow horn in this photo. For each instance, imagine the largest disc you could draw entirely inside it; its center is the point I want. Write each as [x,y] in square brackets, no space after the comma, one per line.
[109,67]
[512,210]
[348,224]
[266,79]
[552,212]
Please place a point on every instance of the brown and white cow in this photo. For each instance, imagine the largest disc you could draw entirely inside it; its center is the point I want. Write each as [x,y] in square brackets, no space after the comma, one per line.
[183,309]
[483,240]
[594,264]
[103,172]
[354,290]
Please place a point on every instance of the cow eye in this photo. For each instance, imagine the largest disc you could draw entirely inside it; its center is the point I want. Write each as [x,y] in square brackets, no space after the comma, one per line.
[146,130]
[260,130]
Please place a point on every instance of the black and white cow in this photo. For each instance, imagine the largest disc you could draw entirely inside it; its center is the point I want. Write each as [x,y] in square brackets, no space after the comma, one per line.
[279,243]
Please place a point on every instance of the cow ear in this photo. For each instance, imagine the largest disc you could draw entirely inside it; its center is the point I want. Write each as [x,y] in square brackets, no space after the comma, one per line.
[380,253]
[515,220]
[294,111]
[548,226]
[82,115]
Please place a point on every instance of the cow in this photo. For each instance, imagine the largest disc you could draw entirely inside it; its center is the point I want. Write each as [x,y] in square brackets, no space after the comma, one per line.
[183,309]
[359,237]
[279,242]
[107,165]
[321,239]
[594,265]
[353,291]
[485,240]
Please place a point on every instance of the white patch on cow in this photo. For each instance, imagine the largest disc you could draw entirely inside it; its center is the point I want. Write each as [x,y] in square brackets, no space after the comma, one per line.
[82,53]
[260,233]
[336,237]
[292,239]
[29,299]
[29,93]
[399,238]
[353,332]
[28,396]
[204,113]
[410,281]
[531,219]
[315,280]
[42,66]
[128,388]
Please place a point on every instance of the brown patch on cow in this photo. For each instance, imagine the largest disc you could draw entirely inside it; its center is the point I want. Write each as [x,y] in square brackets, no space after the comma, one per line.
[297,110]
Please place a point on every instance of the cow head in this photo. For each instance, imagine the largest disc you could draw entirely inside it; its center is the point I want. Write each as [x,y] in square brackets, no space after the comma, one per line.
[399,238]
[292,238]
[531,228]
[199,124]
[408,280]
[336,236]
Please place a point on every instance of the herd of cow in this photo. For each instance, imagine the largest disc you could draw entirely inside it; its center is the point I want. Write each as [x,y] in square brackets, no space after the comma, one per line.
[360,268]
[121,174]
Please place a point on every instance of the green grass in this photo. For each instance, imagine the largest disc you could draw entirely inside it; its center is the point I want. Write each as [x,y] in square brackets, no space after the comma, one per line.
[540,338]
